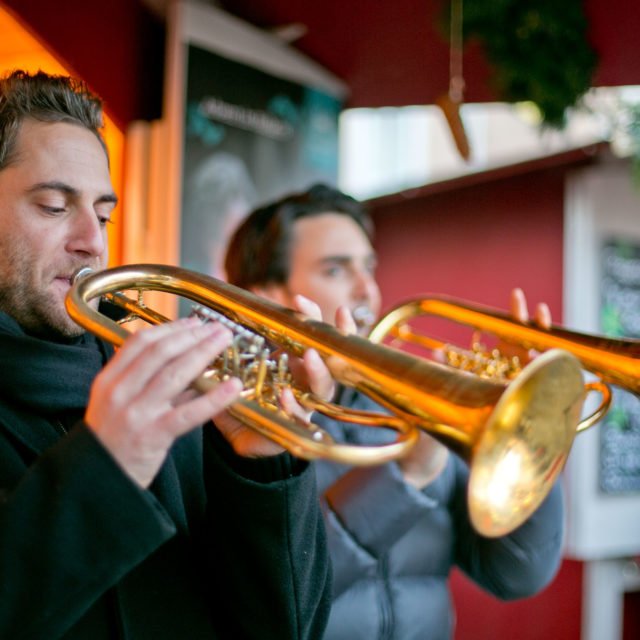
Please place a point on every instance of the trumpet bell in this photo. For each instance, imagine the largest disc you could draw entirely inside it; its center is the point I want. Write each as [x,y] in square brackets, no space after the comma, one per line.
[525,443]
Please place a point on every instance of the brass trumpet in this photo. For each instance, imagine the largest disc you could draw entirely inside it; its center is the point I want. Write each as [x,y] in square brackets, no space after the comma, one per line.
[516,436]
[613,360]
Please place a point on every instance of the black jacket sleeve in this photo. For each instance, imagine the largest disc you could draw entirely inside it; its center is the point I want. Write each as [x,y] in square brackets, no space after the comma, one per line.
[270,554]
[71,526]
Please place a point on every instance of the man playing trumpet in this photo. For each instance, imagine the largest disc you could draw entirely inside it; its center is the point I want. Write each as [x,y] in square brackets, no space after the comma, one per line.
[120,515]
[395,531]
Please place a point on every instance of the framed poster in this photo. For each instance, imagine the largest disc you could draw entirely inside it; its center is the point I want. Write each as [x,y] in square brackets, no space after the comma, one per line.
[249,119]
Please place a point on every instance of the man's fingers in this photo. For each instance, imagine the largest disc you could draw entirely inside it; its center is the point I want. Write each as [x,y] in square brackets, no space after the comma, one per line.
[307,307]
[519,305]
[177,374]
[149,358]
[344,320]
[543,316]
[318,375]
[184,417]
[316,372]
[291,406]
[143,339]
[520,311]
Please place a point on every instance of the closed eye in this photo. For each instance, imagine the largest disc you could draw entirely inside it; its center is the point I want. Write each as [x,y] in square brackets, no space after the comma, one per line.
[52,210]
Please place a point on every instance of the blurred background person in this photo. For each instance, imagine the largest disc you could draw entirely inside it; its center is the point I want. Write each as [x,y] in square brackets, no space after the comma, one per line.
[395,530]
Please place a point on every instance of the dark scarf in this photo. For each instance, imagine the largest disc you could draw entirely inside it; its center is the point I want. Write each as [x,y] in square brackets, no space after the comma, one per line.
[49,378]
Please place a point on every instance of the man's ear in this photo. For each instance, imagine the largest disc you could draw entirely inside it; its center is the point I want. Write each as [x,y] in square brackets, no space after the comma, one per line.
[274,292]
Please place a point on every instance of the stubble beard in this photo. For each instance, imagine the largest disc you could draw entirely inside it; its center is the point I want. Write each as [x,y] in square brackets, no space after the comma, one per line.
[39,311]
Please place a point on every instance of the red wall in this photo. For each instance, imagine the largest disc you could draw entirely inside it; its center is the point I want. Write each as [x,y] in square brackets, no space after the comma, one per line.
[553,614]
[479,242]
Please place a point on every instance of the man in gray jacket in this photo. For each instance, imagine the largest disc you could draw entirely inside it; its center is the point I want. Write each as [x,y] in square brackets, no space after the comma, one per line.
[395,531]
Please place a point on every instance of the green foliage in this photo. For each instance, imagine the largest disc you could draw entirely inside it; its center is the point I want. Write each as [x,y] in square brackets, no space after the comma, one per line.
[538,50]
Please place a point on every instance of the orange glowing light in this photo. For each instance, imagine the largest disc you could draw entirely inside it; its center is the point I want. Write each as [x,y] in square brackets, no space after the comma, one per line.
[19,49]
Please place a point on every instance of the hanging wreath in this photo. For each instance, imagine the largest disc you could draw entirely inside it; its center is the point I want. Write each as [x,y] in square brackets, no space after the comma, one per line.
[538,50]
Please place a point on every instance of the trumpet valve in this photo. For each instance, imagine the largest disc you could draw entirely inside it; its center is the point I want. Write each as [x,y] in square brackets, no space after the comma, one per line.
[485,364]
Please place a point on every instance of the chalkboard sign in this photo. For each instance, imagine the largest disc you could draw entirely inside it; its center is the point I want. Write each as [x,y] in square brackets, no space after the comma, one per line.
[250,137]
[619,463]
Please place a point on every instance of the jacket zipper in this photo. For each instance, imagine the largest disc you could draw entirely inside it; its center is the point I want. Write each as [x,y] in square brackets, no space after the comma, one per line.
[386,607]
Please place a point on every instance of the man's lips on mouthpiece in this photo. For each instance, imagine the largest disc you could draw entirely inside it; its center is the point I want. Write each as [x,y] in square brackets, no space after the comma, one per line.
[363,316]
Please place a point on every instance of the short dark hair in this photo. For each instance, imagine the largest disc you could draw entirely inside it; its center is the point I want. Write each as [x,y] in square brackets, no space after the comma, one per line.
[259,250]
[47,98]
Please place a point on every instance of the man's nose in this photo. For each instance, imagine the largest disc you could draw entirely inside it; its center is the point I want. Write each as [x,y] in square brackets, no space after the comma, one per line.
[87,234]
[366,287]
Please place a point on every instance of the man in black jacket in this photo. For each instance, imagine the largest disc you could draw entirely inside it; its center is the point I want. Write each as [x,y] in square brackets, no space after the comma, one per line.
[120,516]
[396,530]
